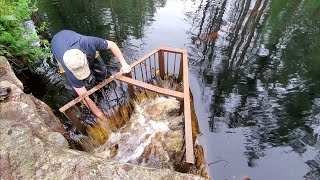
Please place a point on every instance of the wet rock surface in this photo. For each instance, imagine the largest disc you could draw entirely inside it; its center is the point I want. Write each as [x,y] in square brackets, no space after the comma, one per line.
[32,144]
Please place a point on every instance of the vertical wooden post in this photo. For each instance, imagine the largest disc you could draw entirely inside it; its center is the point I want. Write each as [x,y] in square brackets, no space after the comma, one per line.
[75,121]
[180,78]
[161,63]
[130,87]
[187,112]
[181,107]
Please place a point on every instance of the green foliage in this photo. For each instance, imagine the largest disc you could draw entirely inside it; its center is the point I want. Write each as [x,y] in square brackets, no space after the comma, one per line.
[15,39]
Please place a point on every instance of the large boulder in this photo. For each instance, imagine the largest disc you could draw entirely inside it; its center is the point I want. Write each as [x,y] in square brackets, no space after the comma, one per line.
[33,144]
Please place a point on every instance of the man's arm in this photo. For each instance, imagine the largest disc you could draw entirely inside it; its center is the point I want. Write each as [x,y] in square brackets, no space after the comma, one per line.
[91,105]
[118,54]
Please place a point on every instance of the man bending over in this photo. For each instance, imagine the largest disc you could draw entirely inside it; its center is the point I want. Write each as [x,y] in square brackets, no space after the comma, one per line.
[75,54]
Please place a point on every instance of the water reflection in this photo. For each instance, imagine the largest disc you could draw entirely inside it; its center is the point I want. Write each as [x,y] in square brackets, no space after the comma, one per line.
[115,20]
[261,74]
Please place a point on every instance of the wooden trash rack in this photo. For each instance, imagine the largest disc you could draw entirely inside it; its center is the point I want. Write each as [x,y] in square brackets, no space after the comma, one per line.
[163,61]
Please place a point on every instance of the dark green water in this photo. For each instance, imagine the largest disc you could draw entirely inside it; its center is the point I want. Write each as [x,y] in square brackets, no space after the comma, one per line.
[256,86]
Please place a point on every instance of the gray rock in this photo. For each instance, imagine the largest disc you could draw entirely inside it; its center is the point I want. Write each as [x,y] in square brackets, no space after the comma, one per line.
[7,74]
[57,138]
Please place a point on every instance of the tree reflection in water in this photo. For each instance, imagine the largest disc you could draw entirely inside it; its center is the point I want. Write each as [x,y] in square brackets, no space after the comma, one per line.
[262,71]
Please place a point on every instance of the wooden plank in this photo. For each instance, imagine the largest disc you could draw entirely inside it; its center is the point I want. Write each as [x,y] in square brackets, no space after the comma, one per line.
[181,110]
[173,50]
[180,77]
[187,112]
[75,121]
[150,87]
[161,64]
[94,89]
[130,87]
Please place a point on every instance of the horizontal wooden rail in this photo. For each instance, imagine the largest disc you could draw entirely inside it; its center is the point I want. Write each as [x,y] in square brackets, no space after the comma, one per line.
[94,89]
[173,50]
[150,87]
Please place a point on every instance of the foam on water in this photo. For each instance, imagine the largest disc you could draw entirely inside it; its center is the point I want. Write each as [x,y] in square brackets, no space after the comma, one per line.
[132,139]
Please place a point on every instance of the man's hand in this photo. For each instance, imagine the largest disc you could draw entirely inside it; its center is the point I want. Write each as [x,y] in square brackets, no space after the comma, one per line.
[117,52]
[125,68]
[89,103]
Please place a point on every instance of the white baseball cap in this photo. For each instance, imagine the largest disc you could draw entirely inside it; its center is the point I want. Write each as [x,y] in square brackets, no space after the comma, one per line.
[76,61]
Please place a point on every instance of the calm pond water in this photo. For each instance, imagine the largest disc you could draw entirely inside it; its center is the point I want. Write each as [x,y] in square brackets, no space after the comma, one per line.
[256,84]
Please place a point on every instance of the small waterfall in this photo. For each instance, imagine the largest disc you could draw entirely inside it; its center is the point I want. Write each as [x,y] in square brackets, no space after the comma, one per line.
[149,119]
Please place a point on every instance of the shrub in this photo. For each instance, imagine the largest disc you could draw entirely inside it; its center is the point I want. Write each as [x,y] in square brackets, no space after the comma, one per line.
[16,39]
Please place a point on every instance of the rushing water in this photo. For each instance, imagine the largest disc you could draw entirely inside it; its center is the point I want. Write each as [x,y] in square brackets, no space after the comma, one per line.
[256,82]
[145,122]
